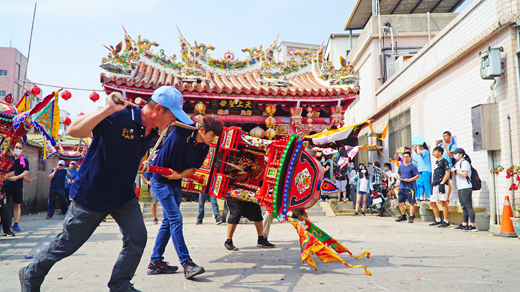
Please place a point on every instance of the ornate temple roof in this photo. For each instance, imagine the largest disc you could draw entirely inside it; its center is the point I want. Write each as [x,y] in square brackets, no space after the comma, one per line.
[139,70]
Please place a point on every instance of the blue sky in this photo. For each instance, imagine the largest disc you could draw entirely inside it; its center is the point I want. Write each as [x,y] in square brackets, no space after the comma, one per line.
[69,35]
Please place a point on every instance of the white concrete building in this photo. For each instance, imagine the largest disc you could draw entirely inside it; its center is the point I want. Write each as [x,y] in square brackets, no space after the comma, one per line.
[435,90]
[339,45]
[287,50]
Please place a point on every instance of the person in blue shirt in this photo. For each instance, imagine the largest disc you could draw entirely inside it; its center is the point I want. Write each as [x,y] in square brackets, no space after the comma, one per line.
[422,156]
[408,174]
[58,178]
[68,183]
[103,185]
[448,145]
[183,152]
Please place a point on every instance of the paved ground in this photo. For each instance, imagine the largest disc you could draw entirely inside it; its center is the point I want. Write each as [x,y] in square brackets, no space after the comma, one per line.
[405,257]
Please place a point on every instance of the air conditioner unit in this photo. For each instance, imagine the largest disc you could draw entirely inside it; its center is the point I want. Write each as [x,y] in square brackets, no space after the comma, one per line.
[490,63]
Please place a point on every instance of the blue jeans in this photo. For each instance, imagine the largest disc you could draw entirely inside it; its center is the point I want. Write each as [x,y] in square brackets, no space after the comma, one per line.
[423,184]
[214,206]
[170,198]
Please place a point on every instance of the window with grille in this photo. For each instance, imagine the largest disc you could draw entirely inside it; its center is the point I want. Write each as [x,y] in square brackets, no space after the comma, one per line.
[3,72]
[363,154]
[399,132]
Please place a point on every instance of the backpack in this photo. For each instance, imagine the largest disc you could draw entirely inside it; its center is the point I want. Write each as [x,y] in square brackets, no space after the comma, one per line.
[476,182]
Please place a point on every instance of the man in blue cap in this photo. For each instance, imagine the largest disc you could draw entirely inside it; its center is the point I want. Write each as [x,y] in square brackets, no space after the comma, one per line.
[183,152]
[103,186]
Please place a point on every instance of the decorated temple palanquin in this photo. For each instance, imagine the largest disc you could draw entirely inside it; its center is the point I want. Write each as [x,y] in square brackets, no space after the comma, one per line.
[305,96]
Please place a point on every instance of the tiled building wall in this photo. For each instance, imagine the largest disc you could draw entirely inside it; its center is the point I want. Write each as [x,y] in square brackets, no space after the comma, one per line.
[444,101]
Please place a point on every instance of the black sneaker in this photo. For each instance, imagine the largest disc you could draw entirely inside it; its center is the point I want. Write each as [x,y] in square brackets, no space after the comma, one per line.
[363,213]
[23,285]
[191,270]
[198,222]
[461,227]
[229,245]
[219,222]
[262,242]
[470,228]
[444,224]
[401,218]
[9,233]
[155,221]
[132,289]
[435,223]
[161,267]
[410,219]
[356,214]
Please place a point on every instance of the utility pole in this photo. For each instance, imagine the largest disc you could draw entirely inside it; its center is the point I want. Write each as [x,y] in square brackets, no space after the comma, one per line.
[28,53]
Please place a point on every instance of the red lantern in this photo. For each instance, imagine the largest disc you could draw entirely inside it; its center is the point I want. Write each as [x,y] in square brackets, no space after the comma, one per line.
[66,121]
[35,90]
[66,95]
[94,96]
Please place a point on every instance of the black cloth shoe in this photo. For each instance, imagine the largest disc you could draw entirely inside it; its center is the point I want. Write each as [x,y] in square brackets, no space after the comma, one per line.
[401,218]
[461,227]
[356,214]
[132,289]
[9,233]
[363,213]
[219,222]
[198,222]
[161,267]
[410,219]
[229,245]
[470,228]
[262,242]
[191,270]
[155,221]
[444,224]
[436,223]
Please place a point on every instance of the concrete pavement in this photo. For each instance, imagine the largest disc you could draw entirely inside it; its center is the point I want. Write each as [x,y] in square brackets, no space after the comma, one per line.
[405,257]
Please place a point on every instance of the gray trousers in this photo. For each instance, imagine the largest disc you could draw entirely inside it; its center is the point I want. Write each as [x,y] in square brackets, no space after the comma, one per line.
[466,202]
[78,225]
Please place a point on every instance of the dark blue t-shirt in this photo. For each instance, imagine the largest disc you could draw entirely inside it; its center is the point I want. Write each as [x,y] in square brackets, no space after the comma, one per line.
[407,171]
[58,181]
[106,177]
[18,169]
[180,152]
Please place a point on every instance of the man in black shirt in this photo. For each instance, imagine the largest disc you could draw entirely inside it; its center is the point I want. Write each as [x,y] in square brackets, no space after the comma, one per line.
[441,175]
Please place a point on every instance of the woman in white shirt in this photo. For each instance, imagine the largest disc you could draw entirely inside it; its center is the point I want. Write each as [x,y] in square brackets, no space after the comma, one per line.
[363,185]
[462,171]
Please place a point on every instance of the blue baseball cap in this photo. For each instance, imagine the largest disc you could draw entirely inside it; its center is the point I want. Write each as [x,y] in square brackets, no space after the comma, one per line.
[171,98]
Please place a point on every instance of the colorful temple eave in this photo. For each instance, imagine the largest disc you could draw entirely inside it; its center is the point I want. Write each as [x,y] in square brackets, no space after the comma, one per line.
[308,82]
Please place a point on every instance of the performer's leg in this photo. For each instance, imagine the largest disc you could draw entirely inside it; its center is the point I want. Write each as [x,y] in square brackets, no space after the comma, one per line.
[51,203]
[231,230]
[78,225]
[171,208]
[164,194]
[154,211]
[130,221]
[259,228]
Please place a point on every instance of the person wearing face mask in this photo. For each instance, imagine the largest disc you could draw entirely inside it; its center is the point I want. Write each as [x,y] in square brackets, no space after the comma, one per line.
[13,187]
[326,163]
[363,184]
[462,172]
[183,152]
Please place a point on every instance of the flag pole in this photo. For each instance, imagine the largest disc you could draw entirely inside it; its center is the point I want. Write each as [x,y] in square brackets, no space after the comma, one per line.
[28,53]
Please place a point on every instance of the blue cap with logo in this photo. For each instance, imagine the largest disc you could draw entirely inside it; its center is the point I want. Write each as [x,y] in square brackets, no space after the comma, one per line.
[171,98]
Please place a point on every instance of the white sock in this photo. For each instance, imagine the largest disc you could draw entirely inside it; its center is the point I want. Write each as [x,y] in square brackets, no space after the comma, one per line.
[447,221]
[438,219]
